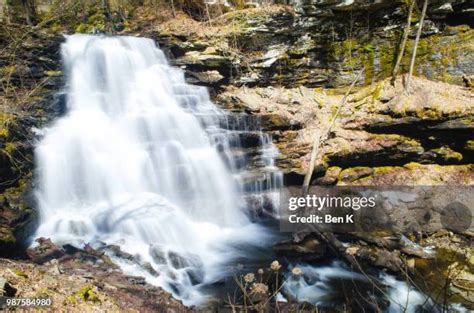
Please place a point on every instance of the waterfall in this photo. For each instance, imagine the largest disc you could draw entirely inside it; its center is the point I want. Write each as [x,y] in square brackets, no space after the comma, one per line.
[147,163]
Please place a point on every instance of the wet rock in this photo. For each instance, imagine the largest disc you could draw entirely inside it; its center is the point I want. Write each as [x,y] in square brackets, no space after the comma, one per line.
[17,222]
[45,251]
[381,258]
[277,122]
[158,254]
[308,248]
[260,207]
[116,251]
[196,275]
[178,261]
[134,280]
[463,284]
[417,252]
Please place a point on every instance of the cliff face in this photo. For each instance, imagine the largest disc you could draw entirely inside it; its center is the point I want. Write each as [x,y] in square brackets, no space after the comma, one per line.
[30,68]
[438,9]
[291,69]
[282,48]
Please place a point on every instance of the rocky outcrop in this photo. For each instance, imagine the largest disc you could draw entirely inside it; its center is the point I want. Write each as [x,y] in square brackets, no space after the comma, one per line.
[30,79]
[380,127]
[84,280]
[326,46]
[18,221]
[437,9]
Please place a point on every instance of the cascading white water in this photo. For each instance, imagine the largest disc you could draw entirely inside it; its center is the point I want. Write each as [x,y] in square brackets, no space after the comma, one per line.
[137,163]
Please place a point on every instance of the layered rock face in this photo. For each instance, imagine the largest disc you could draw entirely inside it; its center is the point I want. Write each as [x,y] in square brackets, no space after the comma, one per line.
[292,69]
[382,136]
[280,47]
[439,9]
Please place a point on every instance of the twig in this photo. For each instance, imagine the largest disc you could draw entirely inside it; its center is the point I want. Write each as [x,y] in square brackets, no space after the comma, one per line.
[415,46]
[404,42]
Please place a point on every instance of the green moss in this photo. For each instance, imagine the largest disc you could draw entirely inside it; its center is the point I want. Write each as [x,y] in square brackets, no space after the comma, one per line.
[437,53]
[355,173]
[44,292]
[345,50]
[4,132]
[397,138]
[369,48]
[377,91]
[446,61]
[367,54]
[53,73]
[384,169]
[20,273]
[433,112]
[55,28]
[469,145]
[6,237]
[9,148]
[448,154]
[6,122]
[8,70]
[387,59]
[412,165]
[84,28]
[87,293]
[70,300]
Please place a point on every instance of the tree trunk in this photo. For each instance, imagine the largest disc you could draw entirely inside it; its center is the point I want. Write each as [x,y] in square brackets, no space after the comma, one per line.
[321,137]
[29,6]
[173,10]
[208,13]
[415,46]
[108,14]
[406,32]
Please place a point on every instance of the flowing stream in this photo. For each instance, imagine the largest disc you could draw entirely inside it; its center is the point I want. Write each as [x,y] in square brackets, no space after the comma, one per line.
[147,163]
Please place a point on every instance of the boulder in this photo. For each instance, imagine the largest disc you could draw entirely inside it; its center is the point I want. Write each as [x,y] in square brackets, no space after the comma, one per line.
[45,251]
[307,248]
[206,78]
[390,260]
